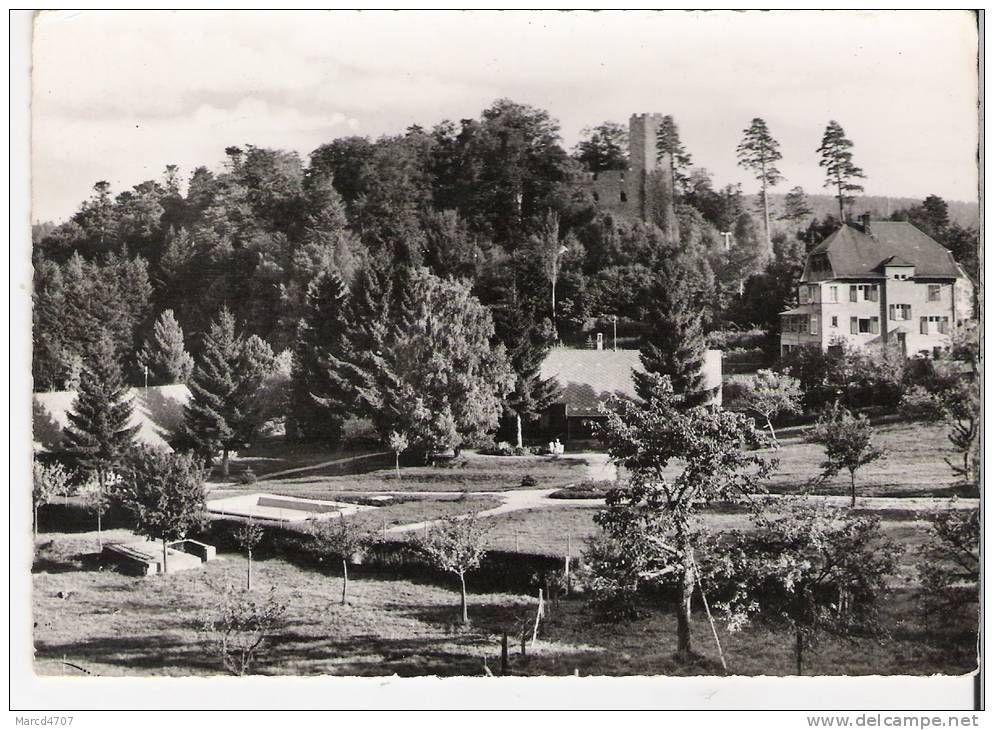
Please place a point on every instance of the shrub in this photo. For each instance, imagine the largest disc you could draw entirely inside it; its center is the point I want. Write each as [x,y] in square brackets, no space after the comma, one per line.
[237,628]
[248,476]
[918,404]
[585,490]
[528,481]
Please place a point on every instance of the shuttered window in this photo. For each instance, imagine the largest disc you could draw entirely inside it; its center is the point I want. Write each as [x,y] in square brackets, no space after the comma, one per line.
[854,325]
[852,292]
[875,325]
[923,325]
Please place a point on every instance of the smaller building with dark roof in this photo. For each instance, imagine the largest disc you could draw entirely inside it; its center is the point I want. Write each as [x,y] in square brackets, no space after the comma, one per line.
[589,378]
[878,283]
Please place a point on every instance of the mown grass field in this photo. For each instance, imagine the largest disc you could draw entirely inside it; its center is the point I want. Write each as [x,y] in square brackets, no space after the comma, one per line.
[913,464]
[114,625]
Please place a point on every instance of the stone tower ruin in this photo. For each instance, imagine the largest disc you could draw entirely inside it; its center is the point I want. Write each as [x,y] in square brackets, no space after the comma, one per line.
[645,189]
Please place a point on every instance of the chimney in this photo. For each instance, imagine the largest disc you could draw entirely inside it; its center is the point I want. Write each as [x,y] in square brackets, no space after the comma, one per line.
[865,222]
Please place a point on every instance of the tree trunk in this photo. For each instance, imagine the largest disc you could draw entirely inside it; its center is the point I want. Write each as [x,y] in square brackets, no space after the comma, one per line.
[397,464]
[34,524]
[799,651]
[768,250]
[345,580]
[462,584]
[773,433]
[683,646]
[248,582]
[224,464]
[852,488]
[517,419]
[683,651]
[165,568]
[100,510]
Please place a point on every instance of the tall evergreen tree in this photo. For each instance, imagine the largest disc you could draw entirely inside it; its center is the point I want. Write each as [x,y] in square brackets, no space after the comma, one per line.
[321,392]
[164,353]
[668,143]
[216,408]
[674,344]
[836,158]
[758,152]
[98,435]
[795,206]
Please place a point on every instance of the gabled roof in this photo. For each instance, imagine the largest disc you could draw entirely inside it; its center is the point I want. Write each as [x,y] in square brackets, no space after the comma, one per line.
[854,254]
[157,411]
[589,377]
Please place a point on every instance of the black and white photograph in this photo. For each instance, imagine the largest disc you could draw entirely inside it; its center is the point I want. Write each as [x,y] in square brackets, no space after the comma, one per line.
[493,345]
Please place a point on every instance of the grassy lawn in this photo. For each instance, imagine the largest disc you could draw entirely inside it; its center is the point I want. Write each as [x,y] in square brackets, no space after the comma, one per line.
[913,465]
[469,473]
[111,624]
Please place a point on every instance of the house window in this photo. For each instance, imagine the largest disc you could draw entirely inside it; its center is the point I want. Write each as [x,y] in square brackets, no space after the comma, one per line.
[813,292]
[813,325]
[941,324]
[803,294]
[934,292]
[835,321]
[833,293]
[866,325]
[854,325]
[900,311]
[863,293]
[923,325]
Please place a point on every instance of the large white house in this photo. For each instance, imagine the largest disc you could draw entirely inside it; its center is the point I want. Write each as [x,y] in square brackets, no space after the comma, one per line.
[878,283]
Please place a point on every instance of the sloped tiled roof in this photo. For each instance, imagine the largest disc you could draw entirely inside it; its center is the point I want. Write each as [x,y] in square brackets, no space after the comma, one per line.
[157,411]
[855,254]
[589,377]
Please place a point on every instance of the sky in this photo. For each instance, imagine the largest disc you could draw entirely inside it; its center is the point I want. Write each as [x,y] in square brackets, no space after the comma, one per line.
[119,95]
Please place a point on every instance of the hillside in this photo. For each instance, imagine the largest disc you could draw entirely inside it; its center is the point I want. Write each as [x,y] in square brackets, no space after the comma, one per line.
[964,213]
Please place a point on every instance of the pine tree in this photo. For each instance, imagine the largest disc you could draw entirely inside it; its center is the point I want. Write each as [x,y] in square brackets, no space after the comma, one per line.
[215,410]
[840,171]
[796,206]
[759,153]
[674,344]
[321,392]
[164,354]
[98,435]
[668,143]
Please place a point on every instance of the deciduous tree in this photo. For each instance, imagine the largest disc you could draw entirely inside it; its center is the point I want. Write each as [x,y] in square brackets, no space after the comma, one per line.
[458,546]
[50,481]
[848,442]
[771,393]
[164,494]
[811,569]
[652,520]
[344,539]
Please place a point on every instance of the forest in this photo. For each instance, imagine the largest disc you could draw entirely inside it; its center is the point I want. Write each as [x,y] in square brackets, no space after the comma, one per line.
[272,244]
